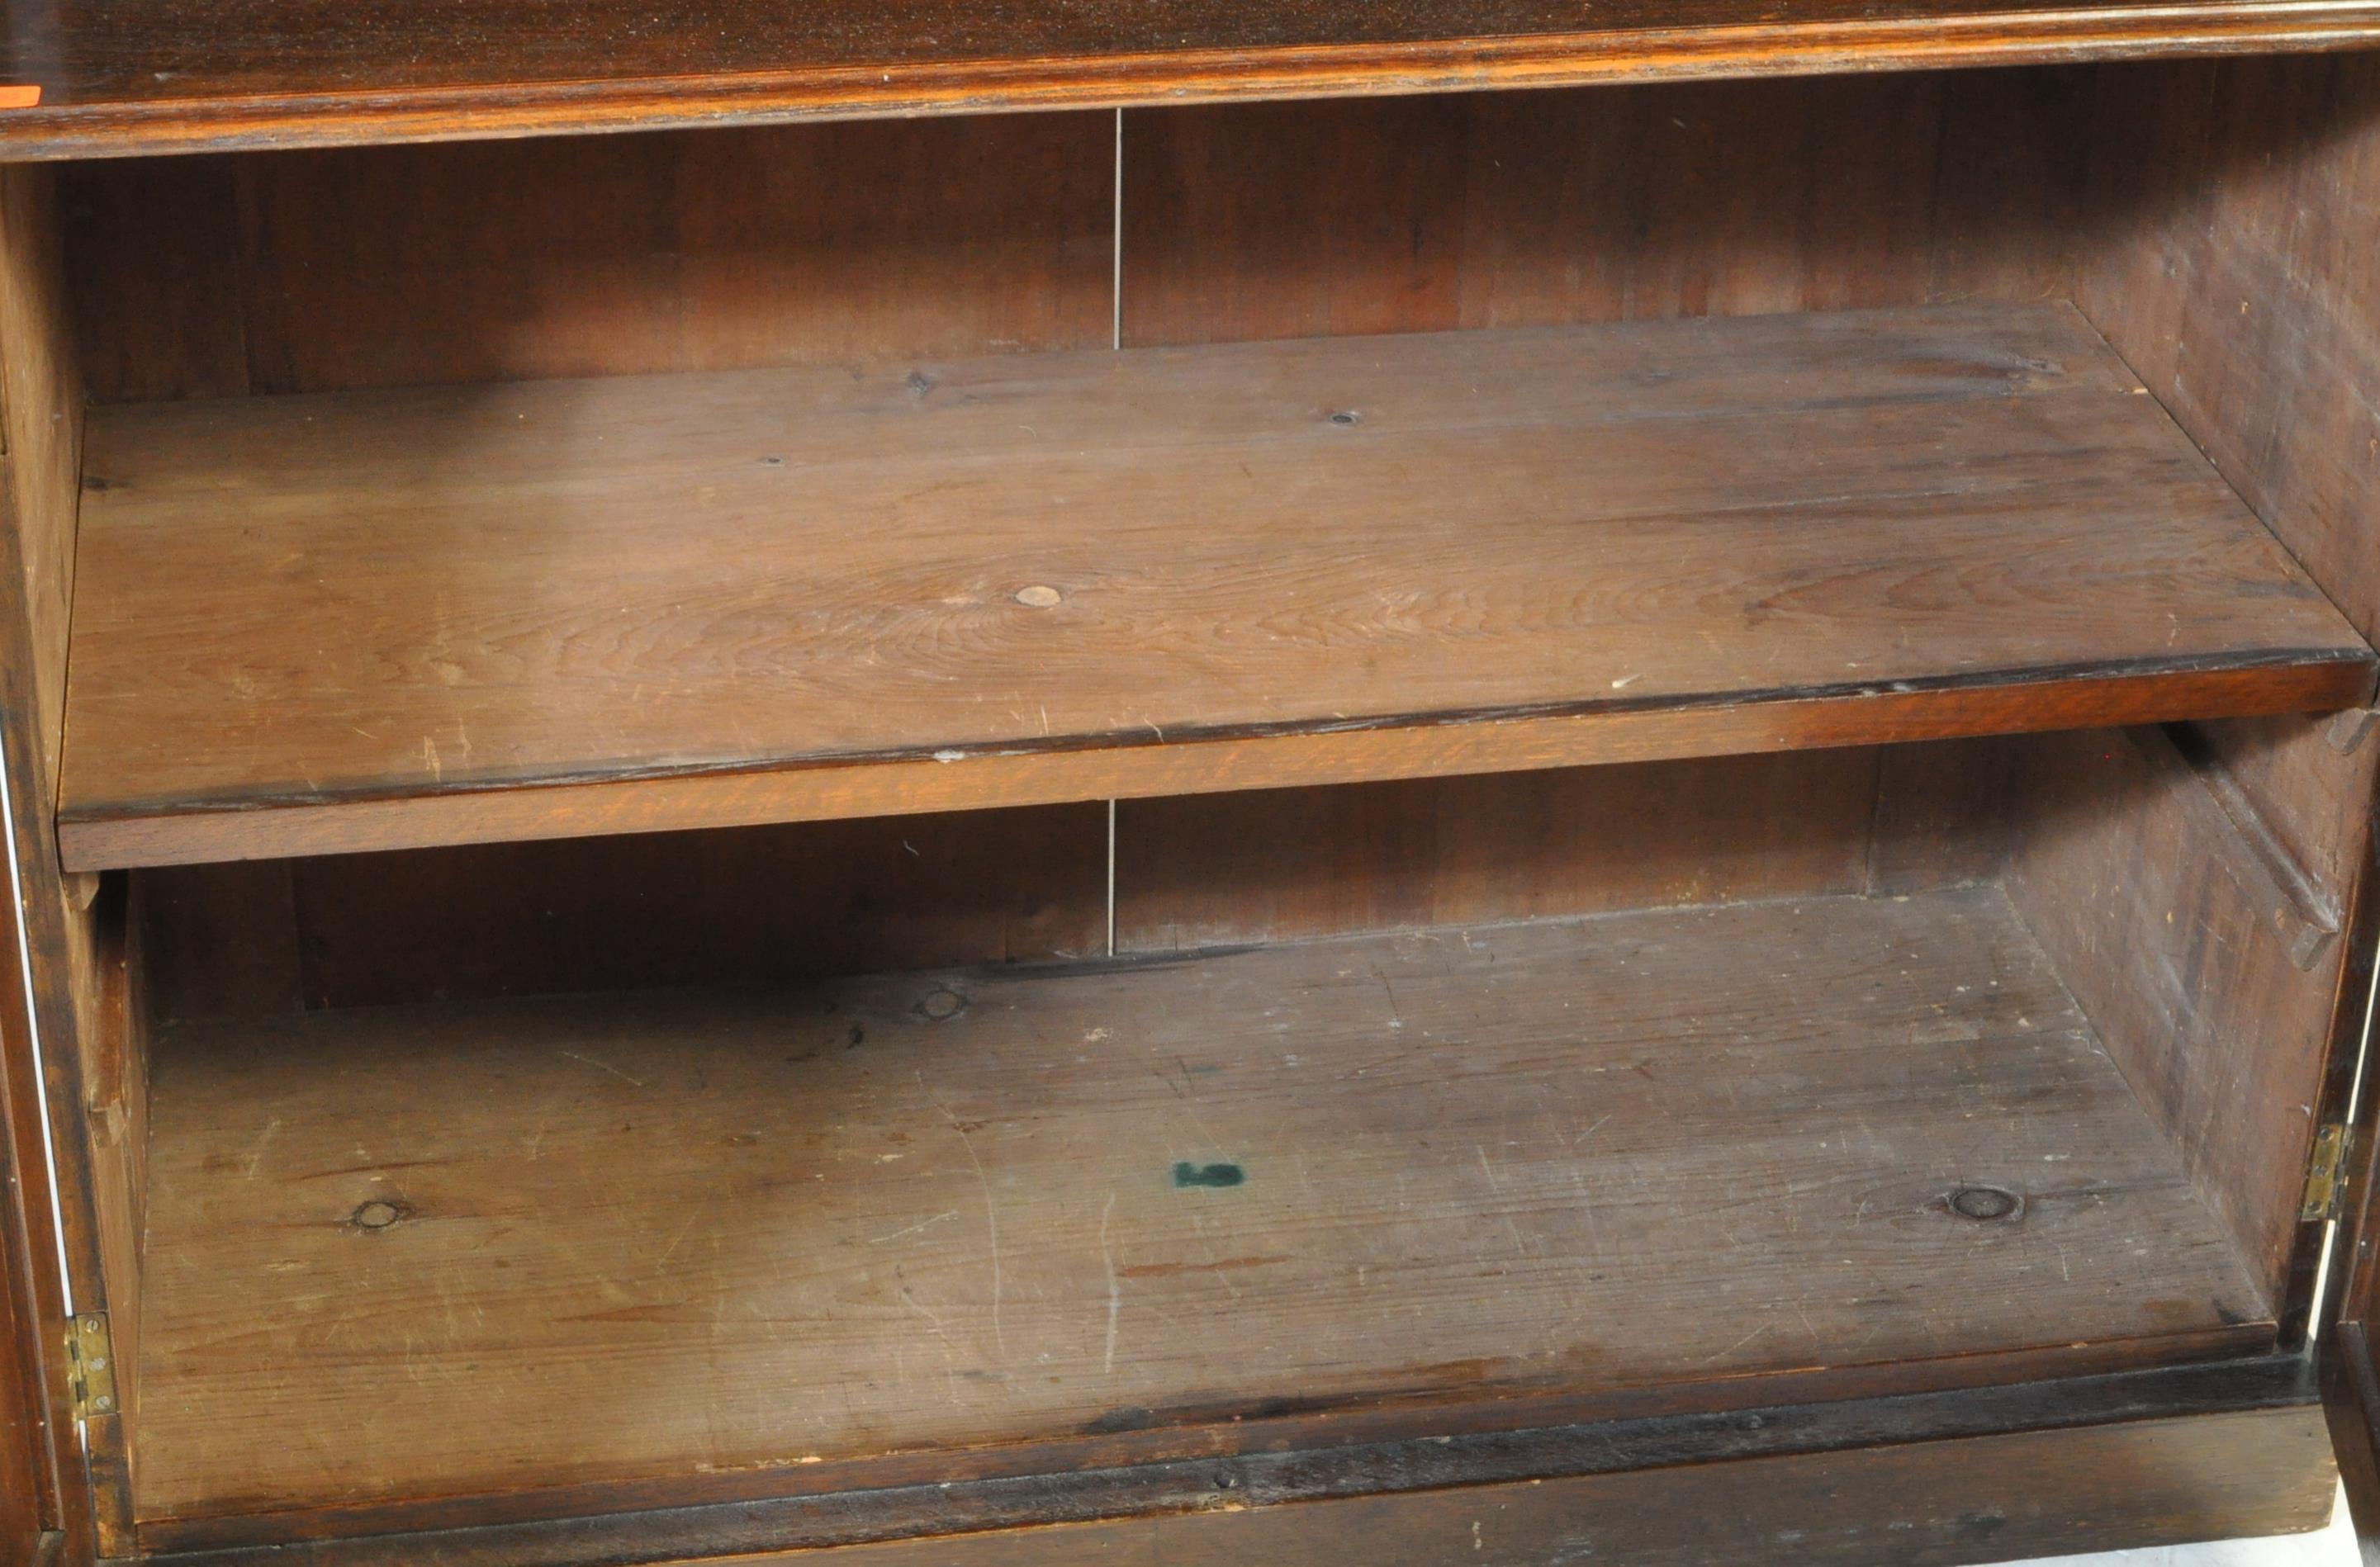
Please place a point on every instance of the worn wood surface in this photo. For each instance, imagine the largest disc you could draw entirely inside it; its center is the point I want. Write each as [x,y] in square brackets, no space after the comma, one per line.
[644,1238]
[254,73]
[315,609]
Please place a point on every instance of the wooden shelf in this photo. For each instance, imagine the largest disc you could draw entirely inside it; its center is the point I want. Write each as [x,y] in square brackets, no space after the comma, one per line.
[177,75]
[837,1236]
[402,618]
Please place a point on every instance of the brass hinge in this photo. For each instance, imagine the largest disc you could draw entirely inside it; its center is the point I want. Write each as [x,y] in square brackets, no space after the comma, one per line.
[91,1366]
[2325,1187]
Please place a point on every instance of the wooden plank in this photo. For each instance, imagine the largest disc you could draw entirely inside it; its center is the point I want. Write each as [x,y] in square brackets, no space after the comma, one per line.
[667,1239]
[200,74]
[416,617]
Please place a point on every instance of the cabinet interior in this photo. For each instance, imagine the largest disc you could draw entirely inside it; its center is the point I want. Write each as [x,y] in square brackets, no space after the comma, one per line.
[1682,754]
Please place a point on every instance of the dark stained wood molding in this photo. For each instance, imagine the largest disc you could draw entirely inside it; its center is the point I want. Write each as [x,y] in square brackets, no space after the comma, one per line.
[904,89]
[1305,1474]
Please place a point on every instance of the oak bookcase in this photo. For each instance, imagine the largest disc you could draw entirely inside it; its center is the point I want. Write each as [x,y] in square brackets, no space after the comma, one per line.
[959,787]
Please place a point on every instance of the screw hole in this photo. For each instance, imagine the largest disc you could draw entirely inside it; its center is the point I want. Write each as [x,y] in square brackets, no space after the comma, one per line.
[940,1004]
[1985,1203]
[377,1214]
[1346,416]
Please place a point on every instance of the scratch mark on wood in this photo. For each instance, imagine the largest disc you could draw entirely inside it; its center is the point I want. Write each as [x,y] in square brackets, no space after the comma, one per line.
[1115,1290]
[924,1224]
[990,1213]
[602,1066]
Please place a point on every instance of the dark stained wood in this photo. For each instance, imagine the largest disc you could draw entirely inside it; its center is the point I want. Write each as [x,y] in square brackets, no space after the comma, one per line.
[201,74]
[380,620]
[2205,1395]
[1210,869]
[711,1232]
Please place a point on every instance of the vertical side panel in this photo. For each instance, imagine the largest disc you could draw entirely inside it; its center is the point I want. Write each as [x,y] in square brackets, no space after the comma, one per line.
[43,431]
[2229,256]
[2189,954]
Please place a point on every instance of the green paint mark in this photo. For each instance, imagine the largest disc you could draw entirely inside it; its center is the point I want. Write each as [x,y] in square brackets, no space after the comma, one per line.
[1188,1174]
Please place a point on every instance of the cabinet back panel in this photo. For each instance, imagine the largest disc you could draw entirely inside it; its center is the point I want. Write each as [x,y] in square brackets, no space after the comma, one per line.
[1608,204]
[753,907]
[1278,864]
[593,256]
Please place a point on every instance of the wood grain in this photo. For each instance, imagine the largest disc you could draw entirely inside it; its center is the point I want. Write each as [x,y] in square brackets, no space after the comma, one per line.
[201,74]
[1197,870]
[642,1238]
[2133,878]
[330,607]
[41,430]
[1651,203]
[2229,261]
[222,276]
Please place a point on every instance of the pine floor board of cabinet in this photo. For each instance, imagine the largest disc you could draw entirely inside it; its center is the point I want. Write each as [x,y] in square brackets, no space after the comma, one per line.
[690,1239]
[397,618]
